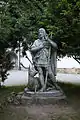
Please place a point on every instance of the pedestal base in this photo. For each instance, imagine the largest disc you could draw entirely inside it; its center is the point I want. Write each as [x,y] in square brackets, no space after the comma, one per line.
[50,97]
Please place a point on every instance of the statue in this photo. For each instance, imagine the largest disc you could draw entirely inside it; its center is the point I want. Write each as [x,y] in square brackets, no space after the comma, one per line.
[44,56]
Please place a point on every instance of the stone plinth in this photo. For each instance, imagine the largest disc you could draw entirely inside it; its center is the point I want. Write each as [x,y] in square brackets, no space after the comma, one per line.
[50,97]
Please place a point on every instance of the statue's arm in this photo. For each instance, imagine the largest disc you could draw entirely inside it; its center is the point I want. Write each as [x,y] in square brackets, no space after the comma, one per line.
[52,43]
[35,49]
[36,46]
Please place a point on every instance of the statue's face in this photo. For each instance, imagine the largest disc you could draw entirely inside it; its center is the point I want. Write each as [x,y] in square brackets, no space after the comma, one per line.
[41,33]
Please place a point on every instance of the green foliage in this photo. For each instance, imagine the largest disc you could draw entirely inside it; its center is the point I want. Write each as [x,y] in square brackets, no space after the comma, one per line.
[5,65]
[64,22]
[21,19]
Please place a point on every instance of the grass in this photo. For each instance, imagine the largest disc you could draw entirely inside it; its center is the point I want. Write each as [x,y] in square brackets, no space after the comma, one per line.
[70,89]
[6,91]
[6,112]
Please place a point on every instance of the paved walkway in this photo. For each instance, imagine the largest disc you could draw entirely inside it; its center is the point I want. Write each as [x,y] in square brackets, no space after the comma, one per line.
[17,77]
[71,78]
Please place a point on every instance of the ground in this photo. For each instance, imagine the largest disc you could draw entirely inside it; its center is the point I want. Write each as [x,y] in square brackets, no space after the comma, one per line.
[66,110]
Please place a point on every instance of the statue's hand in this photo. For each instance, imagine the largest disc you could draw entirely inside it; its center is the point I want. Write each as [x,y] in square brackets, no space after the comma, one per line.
[46,37]
[45,44]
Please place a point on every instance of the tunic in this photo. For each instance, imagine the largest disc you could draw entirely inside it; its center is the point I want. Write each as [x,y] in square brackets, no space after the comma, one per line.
[41,56]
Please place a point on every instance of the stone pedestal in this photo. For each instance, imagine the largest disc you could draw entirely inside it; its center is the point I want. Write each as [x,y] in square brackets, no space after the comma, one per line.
[50,97]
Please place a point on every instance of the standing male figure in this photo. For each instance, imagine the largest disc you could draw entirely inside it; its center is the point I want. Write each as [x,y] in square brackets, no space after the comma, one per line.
[44,59]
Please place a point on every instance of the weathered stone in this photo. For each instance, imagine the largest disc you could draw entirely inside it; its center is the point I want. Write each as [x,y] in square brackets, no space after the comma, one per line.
[42,100]
[44,54]
[43,89]
[53,93]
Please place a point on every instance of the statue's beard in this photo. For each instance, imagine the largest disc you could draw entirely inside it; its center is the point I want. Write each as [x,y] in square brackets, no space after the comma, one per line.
[41,37]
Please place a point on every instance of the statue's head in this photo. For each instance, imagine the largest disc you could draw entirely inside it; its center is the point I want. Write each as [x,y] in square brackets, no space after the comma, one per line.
[42,33]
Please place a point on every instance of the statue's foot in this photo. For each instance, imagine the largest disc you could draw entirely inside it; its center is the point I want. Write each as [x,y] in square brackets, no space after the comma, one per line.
[49,89]
[26,90]
[58,87]
[41,90]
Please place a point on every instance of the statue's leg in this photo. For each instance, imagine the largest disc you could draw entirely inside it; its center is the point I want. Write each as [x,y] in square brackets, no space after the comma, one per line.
[53,78]
[41,77]
[51,74]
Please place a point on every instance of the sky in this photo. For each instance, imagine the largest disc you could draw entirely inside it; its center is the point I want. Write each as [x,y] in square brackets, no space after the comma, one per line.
[63,63]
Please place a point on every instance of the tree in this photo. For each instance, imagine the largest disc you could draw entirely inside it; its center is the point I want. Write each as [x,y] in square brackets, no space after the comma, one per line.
[63,21]
[5,65]
[18,21]
[22,18]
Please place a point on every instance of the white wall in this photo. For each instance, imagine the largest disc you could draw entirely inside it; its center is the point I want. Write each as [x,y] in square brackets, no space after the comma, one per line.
[67,63]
